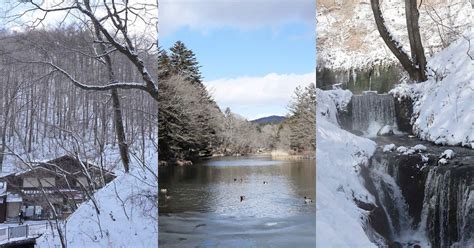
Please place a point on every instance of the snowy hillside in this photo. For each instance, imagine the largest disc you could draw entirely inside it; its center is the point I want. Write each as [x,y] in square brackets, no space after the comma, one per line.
[339,222]
[127,218]
[348,38]
[443,107]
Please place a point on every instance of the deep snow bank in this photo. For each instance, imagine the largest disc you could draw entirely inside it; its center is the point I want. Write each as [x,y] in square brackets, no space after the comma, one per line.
[128,215]
[339,222]
[443,109]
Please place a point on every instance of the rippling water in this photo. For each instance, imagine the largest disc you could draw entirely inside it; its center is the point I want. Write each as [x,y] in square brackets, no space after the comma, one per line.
[204,208]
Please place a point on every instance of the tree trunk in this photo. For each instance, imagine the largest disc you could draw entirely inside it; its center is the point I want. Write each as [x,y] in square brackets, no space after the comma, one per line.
[119,130]
[118,121]
[416,65]
[416,46]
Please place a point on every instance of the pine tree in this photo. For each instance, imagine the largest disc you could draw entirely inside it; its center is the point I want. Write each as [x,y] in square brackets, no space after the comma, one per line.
[187,112]
[183,62]
[164,65]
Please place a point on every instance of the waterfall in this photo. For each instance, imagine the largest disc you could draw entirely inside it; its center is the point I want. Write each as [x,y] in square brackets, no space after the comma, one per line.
[448,208]
[370,108]
[389,194]
[424,206]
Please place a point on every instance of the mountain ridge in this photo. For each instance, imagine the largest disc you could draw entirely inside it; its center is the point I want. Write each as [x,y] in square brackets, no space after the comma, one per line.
[272,119]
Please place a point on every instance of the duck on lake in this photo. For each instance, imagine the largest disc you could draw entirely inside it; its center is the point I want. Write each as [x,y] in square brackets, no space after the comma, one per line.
[307,200]
[265,182]
[242,198]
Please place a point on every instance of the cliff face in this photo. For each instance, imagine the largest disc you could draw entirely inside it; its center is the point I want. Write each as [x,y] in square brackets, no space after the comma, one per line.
[348,38]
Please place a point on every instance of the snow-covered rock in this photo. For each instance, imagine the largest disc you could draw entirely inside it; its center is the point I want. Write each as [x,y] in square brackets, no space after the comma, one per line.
[405,150]
[409,151]
[448,154]
[339,222]
[442,161]
[424,158]
[386,130]
[402,149]
[442,110]
[389,148]
[419,148]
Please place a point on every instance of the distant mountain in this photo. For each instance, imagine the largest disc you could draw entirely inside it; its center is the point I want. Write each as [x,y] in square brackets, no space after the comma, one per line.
[274,119]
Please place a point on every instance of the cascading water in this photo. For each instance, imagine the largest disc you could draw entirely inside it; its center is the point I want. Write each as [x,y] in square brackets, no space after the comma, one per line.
[448,207]
[425,204]
[402,227]
[371,108]
[420,202]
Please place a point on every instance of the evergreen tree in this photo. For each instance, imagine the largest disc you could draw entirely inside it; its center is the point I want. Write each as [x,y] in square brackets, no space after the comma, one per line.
[187,112]
[183,62]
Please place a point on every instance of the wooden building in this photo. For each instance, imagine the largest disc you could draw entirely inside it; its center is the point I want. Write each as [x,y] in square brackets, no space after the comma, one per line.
[62,183]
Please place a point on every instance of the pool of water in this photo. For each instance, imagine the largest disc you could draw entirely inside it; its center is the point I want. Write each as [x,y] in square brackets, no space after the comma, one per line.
[204,207]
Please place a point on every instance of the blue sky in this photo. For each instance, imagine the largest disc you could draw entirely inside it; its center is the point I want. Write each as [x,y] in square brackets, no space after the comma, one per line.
[228,52]
[253,53]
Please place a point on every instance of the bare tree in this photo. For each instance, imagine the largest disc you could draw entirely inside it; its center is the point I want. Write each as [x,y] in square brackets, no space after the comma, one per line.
[415,64]
[109,23]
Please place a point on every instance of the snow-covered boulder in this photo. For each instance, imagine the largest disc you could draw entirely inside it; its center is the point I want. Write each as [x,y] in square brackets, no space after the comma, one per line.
[424,158]
[409,151]
[389,148]
[419,148]
[402,149]
[405,151]
[448,154]
[386,130]
[442,161]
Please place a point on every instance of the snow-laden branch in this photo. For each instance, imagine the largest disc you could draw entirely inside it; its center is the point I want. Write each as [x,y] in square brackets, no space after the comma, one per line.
[112,85]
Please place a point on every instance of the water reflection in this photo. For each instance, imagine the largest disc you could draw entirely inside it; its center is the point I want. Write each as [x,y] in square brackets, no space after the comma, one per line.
[205,203]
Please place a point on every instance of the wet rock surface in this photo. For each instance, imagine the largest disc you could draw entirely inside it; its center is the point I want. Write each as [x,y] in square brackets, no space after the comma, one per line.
[420,198]
[404,112]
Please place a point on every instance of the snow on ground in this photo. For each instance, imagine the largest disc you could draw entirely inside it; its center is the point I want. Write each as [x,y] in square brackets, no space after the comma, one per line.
[128,214]
[443,107]
[339,222]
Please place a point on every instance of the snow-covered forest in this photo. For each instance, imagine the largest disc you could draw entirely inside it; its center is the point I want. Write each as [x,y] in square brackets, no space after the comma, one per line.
[79,133]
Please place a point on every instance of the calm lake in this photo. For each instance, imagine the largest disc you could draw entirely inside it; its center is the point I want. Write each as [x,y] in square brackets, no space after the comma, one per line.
[204,207]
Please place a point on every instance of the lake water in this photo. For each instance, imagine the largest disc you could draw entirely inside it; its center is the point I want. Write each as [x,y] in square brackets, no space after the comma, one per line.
[204,208]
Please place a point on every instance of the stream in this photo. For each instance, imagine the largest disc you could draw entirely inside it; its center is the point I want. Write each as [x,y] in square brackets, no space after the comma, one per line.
[204,207]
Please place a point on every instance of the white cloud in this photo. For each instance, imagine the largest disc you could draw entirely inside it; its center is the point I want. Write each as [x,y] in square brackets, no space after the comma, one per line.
[270,90]
[205,15]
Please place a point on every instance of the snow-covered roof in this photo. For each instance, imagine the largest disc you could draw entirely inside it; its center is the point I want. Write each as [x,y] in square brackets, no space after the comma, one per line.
[3,188]
[14,198]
